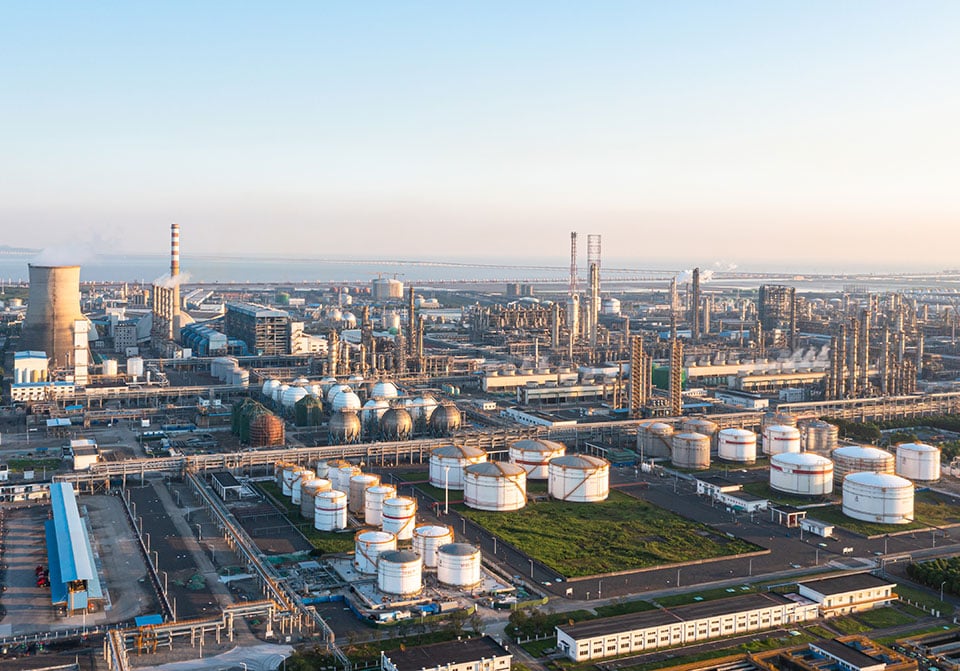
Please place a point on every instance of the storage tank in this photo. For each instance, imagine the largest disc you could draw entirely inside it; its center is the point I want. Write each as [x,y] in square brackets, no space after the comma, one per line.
[373,502]
[369,545]
[820,436]
[691,450]
[345,400]
[918,462]
[445,420]
[396,424]
[428,538]
[780,438]
[134,366]
[701,426]
[265,430]
[330,510]
[278,392]
[657,440]
[384,390]
[340,478]
[448,461]
[737,445]
[535,455]
[373,410]
[290,471]
[358,487]
[398,515]
[335,389]
[300,476]
[495,485]
[308,411]
[278,468]
[110,367]
[344,427]
[878,497]
[778,419]
[458,565]
[579,478]
[399,572]
[291,396]
[801,473]
[860,459]
[308,495]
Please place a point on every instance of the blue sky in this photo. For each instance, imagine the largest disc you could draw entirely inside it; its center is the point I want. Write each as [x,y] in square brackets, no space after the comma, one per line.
[689,132]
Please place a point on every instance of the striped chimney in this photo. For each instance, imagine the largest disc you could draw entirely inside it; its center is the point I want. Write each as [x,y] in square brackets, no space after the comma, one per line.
[174,250]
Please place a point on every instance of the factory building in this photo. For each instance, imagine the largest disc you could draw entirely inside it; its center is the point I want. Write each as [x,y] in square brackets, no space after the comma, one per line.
[74,584]
[265,330]
[125,336]
[848,593]
[683,625]
[472,654]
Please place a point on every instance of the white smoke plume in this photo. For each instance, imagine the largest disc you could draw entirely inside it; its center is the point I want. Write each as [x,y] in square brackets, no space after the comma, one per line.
[61,255]
[686,276]
[168,282]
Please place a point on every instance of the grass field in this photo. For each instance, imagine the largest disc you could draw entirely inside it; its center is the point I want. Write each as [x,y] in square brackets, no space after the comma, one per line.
[763,489]
[848,625]
[920,631]
[21,465]
[880,618]
[922,597]
[621,533]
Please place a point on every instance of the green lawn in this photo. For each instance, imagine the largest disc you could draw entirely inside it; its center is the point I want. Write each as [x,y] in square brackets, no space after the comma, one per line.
[621,533]
[821,632]
[923,597]
[413,476]
[879,618]
[847,625]
[21,465]
[763,489]
[834,515]
[920,631]
[538,648]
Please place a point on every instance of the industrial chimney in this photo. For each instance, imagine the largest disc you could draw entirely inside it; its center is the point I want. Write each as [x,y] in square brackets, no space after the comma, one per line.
[53,308]
[174,250]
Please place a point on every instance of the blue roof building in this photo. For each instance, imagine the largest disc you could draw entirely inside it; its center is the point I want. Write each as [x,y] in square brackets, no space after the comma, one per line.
[74,582]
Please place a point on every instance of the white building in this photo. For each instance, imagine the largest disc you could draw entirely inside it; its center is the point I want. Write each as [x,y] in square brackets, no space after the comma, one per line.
[41,391]
[848,593]
[85,453]
[684,625]
[29,367]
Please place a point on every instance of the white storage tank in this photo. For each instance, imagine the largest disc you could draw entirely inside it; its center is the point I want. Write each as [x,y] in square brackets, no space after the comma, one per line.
[447,464]
[358,487]
[373,410]
[737,445]
[110,367]
[299,477]
[398,515]
[535,455]
[278,392]
[860,459]
[340,478]
[291,396]
[801,473]
[384,389]
[330,510]
[458,565]
[428,538]
[820,436]
[691,450]
[322,469]
[369,545]
[702,426]
[579,478]
[878,497]
[345,400]
[657,440]
[495,485]
[335,389]
[278,468]
[780,438]
[399,572]
[268,387]
[308,495]
[289,475]
[918,462]
[778,419]
[373,502]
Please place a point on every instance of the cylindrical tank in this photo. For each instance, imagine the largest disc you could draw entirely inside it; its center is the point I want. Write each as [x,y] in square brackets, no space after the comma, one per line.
[820,436]
[399,572]
[579,478]
[657,440]
[308,411]
[266,429]
[330,510]
[278,468]
[308,495]
[702,426]
[737,445]
[290,471]
[344,427]
[369,545]
[779,438]
[53,305]
[445,419]
[428,538]
[878,497]
[396,424]
[691,450]
[358,487]
[300,476]
[495,485]
[373,502]
[918,462]
[399,516]
[458,565]
[447,464]
[535,455]
[110,367]
[340,478]
[860,459]
[801,473]
[778,419]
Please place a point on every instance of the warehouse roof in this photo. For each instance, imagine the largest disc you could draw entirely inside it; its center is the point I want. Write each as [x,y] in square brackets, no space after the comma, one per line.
[846,583]
[71,536]
[442,654]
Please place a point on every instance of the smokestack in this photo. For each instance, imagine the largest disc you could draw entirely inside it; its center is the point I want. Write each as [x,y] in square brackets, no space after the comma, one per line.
[54,305]
[174,250]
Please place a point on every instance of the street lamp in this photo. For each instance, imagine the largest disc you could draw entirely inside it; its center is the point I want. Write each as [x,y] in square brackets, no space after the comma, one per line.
[941,589]
[678,577]
[531,568]
[750,567]
[164,581]
[446,489]
[199,534]
[148,538]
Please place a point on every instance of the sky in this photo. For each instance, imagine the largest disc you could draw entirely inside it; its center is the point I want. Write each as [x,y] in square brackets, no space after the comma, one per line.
[815,134]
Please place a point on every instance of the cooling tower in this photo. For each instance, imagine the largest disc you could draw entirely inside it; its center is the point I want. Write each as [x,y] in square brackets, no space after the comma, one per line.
[54,306]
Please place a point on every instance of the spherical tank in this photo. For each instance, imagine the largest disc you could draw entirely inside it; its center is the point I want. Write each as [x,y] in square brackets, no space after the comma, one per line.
[340,478]
[495,485]
[918,462]
[384,390]
[447,464]
[398,515]
[336,389]
[458,565]
[424,407]
[535,455]
[344,427]
[579,478]
[445,419]
[373,503]
[300,476]
[860,459]
[345,400]
[878,497]
[266,429]
[399,572]
[373,410]
[428,538]
[657,440]
[358,487]
[308,495]
[802,473]
[396,424]
[369,545]
[278,393]
[268,387]
[737,445]
[330,510]
[820,436]
[780,438]
[691,450]
[291,396]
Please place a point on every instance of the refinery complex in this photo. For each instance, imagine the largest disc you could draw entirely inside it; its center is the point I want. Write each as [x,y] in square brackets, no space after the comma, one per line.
[596,471]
